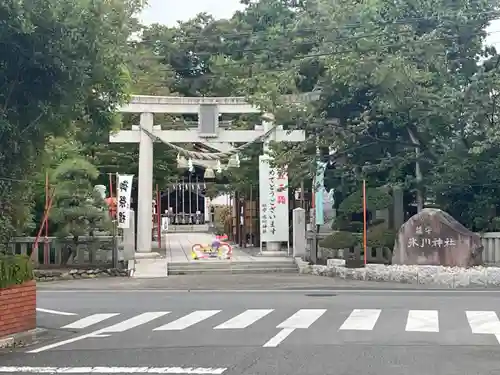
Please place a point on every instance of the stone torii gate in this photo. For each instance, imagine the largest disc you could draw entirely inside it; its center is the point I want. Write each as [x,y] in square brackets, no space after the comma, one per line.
[208,132]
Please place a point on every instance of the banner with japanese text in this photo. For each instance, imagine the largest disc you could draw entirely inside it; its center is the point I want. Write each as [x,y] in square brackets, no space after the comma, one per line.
[319,189]
[273,196]
[124,193]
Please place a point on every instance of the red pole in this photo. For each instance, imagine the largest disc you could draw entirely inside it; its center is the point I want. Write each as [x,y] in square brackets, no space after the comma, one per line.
[364,219]
[46,242]
[158,215]
[110,185]
[44,221]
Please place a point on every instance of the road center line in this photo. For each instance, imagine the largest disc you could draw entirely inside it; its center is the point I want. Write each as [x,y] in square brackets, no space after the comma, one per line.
[276,340]
[55,312]
[114,370]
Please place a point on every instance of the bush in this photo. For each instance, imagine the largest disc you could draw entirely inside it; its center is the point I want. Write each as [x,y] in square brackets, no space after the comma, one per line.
[15,270]
[376,199]
[340,240]
[379,236]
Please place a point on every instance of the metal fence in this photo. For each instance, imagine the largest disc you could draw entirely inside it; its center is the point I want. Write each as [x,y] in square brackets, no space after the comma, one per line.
[90,251]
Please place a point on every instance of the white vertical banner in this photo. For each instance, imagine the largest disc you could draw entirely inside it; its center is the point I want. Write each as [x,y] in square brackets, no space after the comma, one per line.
[124,193]
[273,197]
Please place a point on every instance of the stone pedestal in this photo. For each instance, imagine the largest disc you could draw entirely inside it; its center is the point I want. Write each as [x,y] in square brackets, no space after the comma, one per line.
[299,232]
[272,246]
[129,239]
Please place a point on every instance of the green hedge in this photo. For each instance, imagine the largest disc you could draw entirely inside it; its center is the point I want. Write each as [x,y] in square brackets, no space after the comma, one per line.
[15,269]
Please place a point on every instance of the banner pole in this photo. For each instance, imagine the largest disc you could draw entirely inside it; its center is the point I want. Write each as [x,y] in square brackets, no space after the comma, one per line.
[158,215]
[364,220]
[46,251]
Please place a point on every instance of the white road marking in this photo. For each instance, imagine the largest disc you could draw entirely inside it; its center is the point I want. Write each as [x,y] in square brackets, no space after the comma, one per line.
[244,319]
[276,340]
[89,320]
[302,318]
[55,312]
[114,370]
[64,342]
[483,322]
[422,321]
[361,320]
[188,320]
[119,327]
[134,322]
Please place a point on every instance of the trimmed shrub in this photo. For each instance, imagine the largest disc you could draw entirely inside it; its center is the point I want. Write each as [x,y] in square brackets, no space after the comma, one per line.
[340,240]
[15,270]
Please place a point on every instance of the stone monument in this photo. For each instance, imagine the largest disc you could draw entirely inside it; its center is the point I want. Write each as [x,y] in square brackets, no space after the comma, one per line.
[433,237]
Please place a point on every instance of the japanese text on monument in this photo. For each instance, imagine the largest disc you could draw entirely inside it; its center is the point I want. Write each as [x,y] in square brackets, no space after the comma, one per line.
[421,240]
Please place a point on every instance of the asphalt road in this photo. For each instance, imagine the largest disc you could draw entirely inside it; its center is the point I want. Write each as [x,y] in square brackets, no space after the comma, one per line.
[270,281]
[342,332]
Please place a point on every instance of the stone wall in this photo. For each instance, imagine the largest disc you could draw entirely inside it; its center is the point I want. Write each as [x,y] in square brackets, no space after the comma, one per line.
[54,275]
[18,308]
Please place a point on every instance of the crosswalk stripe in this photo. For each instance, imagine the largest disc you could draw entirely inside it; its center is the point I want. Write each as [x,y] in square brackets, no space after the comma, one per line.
[361,320]
[244,319]
[422,321]
[483,322]
[302,318]
[134,322]
[188,320]
[89,320]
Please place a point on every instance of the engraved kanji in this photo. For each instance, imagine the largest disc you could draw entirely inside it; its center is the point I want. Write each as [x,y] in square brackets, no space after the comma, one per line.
[412,242]
[449,242]
[425,241]
[437,242]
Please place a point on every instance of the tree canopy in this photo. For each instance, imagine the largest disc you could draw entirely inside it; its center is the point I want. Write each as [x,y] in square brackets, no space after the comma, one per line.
[400,83]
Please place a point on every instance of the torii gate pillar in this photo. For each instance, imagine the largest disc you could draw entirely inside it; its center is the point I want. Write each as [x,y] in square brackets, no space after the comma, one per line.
[145,186]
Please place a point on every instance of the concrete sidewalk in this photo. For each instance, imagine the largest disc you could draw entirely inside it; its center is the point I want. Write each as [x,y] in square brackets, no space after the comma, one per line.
[176,252]
[178,249]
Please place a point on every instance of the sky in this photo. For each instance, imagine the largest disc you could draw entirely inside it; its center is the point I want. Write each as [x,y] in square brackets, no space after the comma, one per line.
[168,12]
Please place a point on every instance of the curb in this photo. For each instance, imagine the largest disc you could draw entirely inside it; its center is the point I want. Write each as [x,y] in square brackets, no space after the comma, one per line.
[22,338]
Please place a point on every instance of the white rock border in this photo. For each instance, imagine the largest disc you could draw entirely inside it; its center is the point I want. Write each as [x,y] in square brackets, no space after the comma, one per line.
[446,277]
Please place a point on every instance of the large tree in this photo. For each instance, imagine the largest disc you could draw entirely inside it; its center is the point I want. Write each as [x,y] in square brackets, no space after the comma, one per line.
[62,63]
[395,78]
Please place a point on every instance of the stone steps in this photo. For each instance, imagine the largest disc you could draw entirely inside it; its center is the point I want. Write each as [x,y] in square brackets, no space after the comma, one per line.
[219,268]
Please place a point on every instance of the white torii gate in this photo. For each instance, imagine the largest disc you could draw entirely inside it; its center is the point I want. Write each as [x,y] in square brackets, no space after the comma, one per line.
[208,132]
